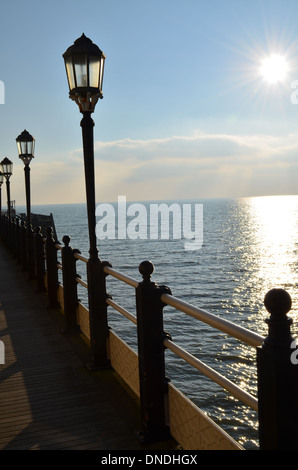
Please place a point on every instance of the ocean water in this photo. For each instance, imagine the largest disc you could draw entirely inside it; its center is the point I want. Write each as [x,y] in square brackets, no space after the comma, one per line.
[250,245]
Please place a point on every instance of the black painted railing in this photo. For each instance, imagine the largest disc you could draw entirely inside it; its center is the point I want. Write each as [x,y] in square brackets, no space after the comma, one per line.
[276,364]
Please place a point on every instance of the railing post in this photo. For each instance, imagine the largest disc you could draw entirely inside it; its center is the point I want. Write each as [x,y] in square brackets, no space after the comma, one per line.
[13,236]
[24,244]
[153,382]
[1,221]
[99,330]
[7,232]
[5,229]
[30,251]
[278,378]
[52,269]
[10,237]
[70,288]
[39,256]
[18,240]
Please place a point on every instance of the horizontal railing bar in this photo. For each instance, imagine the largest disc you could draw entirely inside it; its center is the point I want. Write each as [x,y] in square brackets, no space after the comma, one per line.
[247,336]
[58,246]
[225,383]
[122,277]
[59,266]
[80,281]
[81,257]
[122,310]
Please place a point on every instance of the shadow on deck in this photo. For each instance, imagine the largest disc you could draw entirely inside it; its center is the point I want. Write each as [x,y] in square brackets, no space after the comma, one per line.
[48,398]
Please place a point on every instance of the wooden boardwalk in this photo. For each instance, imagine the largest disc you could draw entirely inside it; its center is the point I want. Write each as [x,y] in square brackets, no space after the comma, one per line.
[48,398]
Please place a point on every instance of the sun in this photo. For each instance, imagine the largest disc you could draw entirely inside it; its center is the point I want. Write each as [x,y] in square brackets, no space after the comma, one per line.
[274,69]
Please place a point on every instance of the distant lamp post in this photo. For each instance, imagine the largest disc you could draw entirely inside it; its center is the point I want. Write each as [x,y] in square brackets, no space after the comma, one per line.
[25,145]
[1,182]
[7,172]
[84,63]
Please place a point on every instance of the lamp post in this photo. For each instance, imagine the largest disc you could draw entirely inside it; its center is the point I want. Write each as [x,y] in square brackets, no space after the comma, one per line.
[25,145]
[84,63]
[1,182]
[7,172]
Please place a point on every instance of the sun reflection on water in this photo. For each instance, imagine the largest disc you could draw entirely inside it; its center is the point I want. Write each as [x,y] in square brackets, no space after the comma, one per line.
[263,247]
[274,225]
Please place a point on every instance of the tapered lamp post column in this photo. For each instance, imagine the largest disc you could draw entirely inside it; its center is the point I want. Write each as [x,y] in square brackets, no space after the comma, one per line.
[7,172]
[25,144]
[84,63]
[1,182]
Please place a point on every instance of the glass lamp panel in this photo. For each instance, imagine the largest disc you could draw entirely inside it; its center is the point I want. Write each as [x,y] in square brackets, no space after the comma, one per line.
[19,146]
[94,71]
[70,73]
[7,166]
[26,147]
[31,147]
[80,66]
[102,60]
[1,177]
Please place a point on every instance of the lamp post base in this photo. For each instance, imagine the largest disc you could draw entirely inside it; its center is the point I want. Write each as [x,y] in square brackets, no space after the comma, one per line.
[99,330]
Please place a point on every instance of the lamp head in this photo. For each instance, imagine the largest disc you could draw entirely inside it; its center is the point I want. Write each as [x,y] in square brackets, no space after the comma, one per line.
[84,64]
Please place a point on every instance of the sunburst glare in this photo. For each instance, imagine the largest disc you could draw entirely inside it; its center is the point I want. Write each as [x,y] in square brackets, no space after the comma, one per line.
[274,69]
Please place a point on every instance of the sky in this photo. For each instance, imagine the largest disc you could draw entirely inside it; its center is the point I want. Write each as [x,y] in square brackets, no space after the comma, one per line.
[186,112]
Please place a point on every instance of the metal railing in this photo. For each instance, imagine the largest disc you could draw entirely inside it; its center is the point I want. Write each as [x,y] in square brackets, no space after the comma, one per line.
[277,374]
[230,328]
[238,332]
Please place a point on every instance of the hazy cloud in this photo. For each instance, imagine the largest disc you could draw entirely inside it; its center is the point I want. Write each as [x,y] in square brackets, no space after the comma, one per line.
[197,166]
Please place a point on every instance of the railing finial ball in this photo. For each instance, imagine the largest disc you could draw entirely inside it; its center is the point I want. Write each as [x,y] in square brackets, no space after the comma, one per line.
[278,301]
[146,268]
[66,240]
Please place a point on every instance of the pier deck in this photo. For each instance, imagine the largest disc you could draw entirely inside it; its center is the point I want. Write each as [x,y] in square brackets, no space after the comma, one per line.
[48,398]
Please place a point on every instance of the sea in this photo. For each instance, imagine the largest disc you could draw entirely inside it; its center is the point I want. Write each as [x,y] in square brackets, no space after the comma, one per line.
[247,247]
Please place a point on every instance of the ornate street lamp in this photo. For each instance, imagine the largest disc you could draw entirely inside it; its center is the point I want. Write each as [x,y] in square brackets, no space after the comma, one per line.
[84,63]
[7,172]
[25,144]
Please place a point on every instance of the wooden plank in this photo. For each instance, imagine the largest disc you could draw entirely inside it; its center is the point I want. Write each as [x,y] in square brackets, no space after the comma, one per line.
[48,399]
